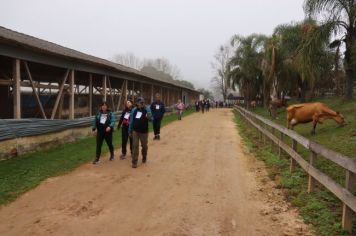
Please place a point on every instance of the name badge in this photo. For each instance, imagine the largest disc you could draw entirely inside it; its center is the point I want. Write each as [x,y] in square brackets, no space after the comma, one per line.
[157,107]
[127,115]
[138,115]
[103,118]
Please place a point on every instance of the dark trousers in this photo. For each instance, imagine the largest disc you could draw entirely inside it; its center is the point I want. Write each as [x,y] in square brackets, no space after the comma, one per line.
[125,139]
[100,136]
[157,126]
[137,139]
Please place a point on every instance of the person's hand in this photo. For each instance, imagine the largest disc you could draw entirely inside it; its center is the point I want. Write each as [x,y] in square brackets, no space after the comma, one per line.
[130,135]
[94,132]
[108,129]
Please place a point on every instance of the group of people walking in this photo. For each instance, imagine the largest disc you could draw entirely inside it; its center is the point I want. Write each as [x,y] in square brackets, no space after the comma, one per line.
[134,124]
[205,105]
[202,105]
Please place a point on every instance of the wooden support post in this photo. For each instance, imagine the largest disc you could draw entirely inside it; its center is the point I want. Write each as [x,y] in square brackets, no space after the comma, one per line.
[126,91]
[168,98]
[121,96]
[103,91]
[34,90]
[347,213]
[60,107]
[133,91]
[111,96]
[141,90]
[279,147]
[311,180]
[71,94]
[90,94]
[16,92]
[60,91]
[292,161]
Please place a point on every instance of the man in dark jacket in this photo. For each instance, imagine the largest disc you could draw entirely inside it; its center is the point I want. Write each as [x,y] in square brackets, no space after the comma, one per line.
[103,126]
[158,110]
[138,130]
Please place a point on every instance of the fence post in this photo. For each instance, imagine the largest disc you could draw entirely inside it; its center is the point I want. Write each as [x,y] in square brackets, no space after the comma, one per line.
[272,146]
[279,147]
[347,213]
[264,136]
[311,180]
[292,161]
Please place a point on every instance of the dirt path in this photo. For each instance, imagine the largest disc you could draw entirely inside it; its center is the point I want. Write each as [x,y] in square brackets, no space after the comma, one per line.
[198,181]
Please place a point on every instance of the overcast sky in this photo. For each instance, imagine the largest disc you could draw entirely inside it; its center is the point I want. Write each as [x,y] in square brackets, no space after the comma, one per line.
[186,32]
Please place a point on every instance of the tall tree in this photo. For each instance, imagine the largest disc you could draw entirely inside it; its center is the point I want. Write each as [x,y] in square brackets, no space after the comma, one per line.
[164,65]
[129,59]
[246,71]
[206,93]
[314,57]
[340,19]
[221,70]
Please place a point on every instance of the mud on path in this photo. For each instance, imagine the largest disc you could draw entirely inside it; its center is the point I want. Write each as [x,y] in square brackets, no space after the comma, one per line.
[198,181]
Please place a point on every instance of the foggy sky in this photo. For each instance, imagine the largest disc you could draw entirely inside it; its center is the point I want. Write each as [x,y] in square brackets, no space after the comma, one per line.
[185,32]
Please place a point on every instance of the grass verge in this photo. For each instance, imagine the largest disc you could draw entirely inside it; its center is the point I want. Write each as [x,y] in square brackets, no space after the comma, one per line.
[20,174]
[319,209]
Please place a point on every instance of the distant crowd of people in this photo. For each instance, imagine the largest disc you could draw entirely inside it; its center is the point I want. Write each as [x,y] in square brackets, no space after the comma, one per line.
[134,124]
[205,104]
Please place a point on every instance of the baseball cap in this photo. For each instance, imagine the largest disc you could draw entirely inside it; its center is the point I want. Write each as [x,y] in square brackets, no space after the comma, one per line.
[140,100]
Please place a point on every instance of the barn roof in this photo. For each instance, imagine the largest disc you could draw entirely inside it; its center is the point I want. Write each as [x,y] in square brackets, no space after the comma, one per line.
[47,47]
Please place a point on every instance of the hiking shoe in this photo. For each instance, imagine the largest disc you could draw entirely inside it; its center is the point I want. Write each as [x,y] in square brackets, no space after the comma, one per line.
[155,137]
[96,161]
[158,137]
[111,158]
[134,165]
[123,156]
[144,160]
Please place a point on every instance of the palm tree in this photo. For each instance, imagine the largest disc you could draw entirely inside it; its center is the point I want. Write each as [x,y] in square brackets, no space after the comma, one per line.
[342,21]
[279,67]
[297,58]
[314,57]
[245,69]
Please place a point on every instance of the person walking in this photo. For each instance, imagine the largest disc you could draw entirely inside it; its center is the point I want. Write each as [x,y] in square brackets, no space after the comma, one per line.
[197,106]
[180,107]
[202,106]
[138,130]
[158,109]
[207,104]
[124,125]
[103,127]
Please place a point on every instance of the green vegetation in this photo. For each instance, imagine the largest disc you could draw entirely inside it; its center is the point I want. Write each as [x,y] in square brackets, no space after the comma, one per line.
[25,172]
[320,208]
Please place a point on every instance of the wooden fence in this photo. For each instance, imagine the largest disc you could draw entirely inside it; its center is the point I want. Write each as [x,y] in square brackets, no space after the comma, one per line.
[345,194]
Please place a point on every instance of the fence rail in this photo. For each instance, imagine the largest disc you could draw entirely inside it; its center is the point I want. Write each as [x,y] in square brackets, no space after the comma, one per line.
[343,193]
[16,128]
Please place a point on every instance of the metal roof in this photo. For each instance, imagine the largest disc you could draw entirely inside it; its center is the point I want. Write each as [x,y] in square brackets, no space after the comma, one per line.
[47,47]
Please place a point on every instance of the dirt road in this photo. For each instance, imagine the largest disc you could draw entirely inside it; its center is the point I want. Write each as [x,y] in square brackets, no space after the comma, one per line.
[198,181]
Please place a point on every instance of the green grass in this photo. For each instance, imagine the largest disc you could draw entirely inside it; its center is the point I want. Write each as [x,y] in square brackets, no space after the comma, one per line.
[320,209]
[20,174]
